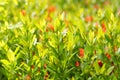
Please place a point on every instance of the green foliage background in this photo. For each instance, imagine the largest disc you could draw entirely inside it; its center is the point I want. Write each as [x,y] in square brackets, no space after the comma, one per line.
[26,47]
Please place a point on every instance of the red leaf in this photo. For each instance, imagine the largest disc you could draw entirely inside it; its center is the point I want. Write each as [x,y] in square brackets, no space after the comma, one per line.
[108,56]
[77,63]
[100,63]
[38,69]
[50,27]
[49,19]
[32,66]
[45,66]
[23,12]
[46,76]
[81,52]
[96,7]
[88,18]
[115,48]
[103,27]
[28,77]
[51,9]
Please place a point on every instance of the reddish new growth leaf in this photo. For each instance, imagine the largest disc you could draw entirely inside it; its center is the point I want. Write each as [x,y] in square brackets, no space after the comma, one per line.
[95,52]
[32,66]
[103,27]
[51,9]
[28,77]
[23,12]
[66,22]
[88,18]
[86,2]
[81,52]
[18,74]
[96,7]
[46,76]
[106,2]
[49,19]
[100,63]
[108,56]
[50,27]
[115,48]
[106,49]
[45,66]
[112,64]
[96,24]
[119,12]
[38,69]
[33,53]
[77,63]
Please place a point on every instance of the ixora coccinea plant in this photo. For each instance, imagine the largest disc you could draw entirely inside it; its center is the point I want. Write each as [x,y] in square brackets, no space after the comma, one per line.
[59,40]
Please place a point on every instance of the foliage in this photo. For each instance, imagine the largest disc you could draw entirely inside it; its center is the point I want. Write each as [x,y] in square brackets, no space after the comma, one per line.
[59,40]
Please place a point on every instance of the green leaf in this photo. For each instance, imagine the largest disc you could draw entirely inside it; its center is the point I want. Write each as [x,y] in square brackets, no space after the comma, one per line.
[1,9]
[108,12]
[16,50]
[102,69]
[97,68]
[2,3]
[72,55]
[18,56]
[53,49]
[110,70]
[112,17]
[67,71]
[5,62]
[91,36]
[101,34]
[51,69]
[70,41]
[115,78]
[32,41]
[11,55]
